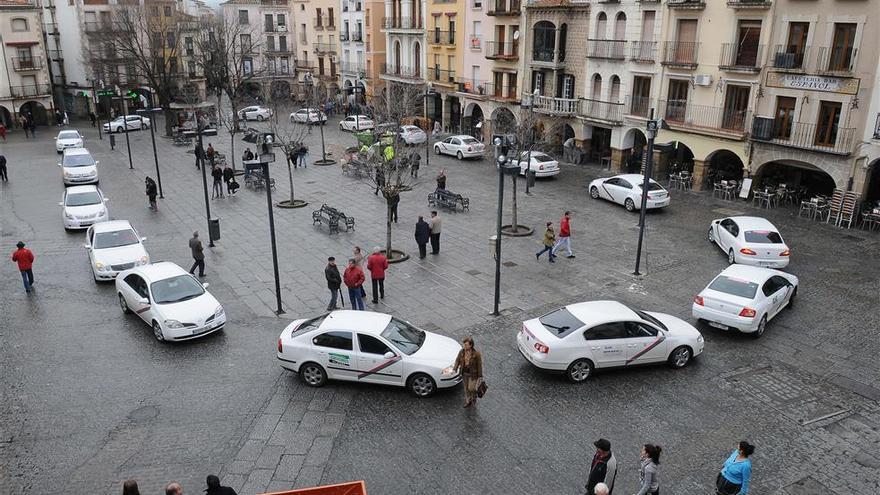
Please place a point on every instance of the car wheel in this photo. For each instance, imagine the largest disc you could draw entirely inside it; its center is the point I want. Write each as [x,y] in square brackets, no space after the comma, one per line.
[119,129]
[260,118]
[157,332]
[313,374]
[436,150]
[680,357]
[731,258]
[421,385]
[629,204]
[710,236]
[594,192]
[459,156]
[791,299]
[340,127]
[762,325]
[579,370]
[122,304]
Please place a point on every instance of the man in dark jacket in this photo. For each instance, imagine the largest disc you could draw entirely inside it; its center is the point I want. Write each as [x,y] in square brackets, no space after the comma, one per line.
[200,155]
[198,254]
[334,281]
[228,175]
[214,487]
[603,469]
[423,235]
[3,172]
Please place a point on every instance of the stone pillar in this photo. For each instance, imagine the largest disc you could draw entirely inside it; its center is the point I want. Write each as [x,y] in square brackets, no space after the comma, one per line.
[659,166]
[618,160]
[445,111]
[700,170]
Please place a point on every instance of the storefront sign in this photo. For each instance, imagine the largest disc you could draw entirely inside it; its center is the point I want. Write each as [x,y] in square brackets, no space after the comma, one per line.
[841,85]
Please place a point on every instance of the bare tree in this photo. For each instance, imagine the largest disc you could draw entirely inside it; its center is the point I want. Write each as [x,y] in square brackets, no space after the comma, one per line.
[385,165]
[289,136]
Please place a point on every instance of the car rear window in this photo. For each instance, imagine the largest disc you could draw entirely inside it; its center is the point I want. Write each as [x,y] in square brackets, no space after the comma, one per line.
[734,286]
[653,186]
[311,324]
[763,237]
[83,199]
[407,338]
[561,322]
[543,158]
[83,160]
[469,141]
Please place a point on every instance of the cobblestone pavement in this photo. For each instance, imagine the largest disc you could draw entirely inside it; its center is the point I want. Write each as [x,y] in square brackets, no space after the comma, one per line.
[89,399]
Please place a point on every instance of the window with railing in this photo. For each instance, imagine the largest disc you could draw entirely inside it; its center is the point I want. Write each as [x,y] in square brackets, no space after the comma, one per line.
[643,51]
[500,50]
[681,53]
[606,49]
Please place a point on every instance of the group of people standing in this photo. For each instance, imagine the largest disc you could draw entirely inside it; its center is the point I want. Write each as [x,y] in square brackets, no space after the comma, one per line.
[354,278]
[130,487]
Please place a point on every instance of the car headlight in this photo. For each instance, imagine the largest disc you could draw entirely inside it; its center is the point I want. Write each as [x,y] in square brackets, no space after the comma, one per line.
[66,173]
[173,324]
[92,173]
[448,371]
[145,260]
[218,312]
[700,339]
[100,266]
[68,216]
[102,212]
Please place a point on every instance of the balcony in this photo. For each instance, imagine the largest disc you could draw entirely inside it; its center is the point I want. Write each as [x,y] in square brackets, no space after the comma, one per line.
[684,114]
[749,4]
[682,54]
[877,127]
[548,57]
[500,92]
[324,48]
[475,42]
[304,64]
[442,76]
[278,50]
[643,51]
[399,23]
[555,106]
[499,50]
[30,90]
[638,106]
[735,57]
[810,137]
[472,87]
[343,36]
[438,37]
[27,64]
[279,71]
[601,110]
[357,36]
[686,4]
[401,72]
[837,60]
[353,68]
[50,28]
[606,49]
[790,57]
[55,54]
[504,8]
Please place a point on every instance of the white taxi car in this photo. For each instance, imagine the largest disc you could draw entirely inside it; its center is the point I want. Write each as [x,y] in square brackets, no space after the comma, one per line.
[461,147]
[745,298]
[308,116]
[626,190]
[114,246]
[541,164]
[78,167]
[581,337]
[82,206]
[127,123]
[68,139]
[255,112]
[362,346]
[356,123]
[750,241]
[170,300]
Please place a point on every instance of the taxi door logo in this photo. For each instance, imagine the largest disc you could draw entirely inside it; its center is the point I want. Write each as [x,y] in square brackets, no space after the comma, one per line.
[340,359]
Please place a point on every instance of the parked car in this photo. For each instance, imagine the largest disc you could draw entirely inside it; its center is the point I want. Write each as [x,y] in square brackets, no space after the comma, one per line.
[308,116]
[127,123]
[78,167]
[114,246]
[413,134]
[356,123]
[541,164]
[82,206]
[745,298]
[460,146]
[750,241]
[255,112]
[626,190]
[68,139]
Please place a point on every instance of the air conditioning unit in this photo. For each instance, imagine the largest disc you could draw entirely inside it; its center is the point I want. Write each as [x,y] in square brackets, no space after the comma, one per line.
[702,80]
[280,29]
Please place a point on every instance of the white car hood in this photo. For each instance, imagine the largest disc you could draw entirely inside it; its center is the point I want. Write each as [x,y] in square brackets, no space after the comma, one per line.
[120,255]
[69,141]
[85,210]
[678,329]
[87,170]
[195,310]
[438,349]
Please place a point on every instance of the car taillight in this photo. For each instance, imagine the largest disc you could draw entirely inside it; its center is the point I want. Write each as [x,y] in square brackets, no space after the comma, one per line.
[543,349]
[785,253]
[280,349]
[748,312]
[470,148]
[699,300]
[747,251]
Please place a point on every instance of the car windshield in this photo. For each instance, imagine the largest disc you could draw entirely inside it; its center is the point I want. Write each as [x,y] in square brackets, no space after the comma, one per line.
[311,324]
[734,286]
[470,140]
[83,199]
[176,289]
[105,240]
[650,319]
[411,128]
[83,160]
[405,337]
[542,158]
[763,237]
[561,321]
[68,135]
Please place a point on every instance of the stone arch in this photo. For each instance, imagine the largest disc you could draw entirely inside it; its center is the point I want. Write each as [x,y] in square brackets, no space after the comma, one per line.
[601,26]
[872,183]
[503,120]
[396,56]
[5,117]
[146,100]
[724,165]
[417,59]
[34,110]
[473,115]
[796,173]
[634,146]
[596,92]
[280,90]
[620,26]
[614,95]
[251,91]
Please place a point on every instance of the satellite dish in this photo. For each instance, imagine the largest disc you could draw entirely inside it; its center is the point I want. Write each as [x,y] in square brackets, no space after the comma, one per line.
[516,35]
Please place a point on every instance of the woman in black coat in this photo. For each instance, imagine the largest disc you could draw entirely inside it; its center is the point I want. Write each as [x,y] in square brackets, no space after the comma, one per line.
[423,234]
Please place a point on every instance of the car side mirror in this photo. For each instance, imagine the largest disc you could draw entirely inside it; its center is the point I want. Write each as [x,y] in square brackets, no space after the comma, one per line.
[97,162]
[60,203]
[144,301]
[87,245]
[205,285]
[389,355]
[59,164]
[143,239]
[106,199]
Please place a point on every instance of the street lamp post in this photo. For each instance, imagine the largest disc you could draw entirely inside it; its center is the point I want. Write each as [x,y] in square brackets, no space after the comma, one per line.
[501,149]
[649,165]
[429,91]
[125,126]
[265,159]
[152,112]
[531,134]
[199,132]
[97,113]
[310,84]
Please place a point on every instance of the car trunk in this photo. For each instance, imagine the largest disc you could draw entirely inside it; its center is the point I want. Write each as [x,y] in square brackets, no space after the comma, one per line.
[724,302]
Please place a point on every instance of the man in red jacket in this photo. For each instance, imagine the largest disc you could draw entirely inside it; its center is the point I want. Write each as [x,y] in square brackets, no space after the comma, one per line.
[354,280]
[377,263]
[564,235]
[25,259]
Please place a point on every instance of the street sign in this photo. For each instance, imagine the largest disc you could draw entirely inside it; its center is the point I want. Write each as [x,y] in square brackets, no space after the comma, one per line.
[107,92]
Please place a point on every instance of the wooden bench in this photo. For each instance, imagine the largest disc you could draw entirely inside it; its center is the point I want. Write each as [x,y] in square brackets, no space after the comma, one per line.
[448,199]
[333,218]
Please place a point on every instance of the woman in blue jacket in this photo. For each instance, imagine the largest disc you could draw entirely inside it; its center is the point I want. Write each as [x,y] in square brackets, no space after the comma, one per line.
[736,474]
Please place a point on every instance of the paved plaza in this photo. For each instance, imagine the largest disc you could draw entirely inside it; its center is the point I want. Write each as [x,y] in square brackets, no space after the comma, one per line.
[90,399]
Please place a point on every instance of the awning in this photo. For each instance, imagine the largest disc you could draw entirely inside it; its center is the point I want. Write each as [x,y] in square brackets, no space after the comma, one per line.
[22,43]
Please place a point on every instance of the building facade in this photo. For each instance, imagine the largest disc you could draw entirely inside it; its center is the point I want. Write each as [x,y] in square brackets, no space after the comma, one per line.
[362,48]
[26,89]
[445,45]
[404,29]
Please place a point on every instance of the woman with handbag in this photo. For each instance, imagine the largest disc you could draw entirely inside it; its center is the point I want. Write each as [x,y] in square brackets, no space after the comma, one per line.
[470,363]
[736,474]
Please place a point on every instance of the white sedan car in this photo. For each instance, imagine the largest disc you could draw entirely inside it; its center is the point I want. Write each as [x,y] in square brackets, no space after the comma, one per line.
[750,241]
[68,139]
[626,190]
[461,147]
[78,167]
[170,300]
[82,206]
[255,112]
[356,123]
[745,298]
[541,164]
[114,246]
[308,116]
[412,134]
[579,338]
[127,122]
[368,347]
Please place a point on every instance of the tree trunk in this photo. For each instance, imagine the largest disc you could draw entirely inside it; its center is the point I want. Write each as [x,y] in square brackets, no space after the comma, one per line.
[290,176]
[232,151]
[388,252]
[514,222]
[169,120]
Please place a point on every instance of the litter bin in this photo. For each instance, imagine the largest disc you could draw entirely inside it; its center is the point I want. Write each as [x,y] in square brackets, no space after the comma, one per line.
[112,142]
[530,176]
[214,229]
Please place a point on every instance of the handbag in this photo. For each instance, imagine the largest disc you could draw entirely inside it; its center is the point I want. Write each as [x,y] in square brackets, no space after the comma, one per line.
[482,388]
[725,487]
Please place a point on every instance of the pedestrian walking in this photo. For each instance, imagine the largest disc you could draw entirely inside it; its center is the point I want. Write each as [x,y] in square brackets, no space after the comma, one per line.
[3,131]
[302,152]
[736,474]
[32,125]
[228,175]
[200,155]
[377,263]
[354,280]
[441,179]
[436,132]
[92,118]
[23,123]
[25,259]
[470,362]
[603,469]
[59,118]
[217,174]
[435,224]
[549,241]
[649,470]
[334,281]
[198,254]
[565,238]
[3,172]
[214,487]
[423,234]
[151,193]
[130,487]
[173,488]
[210,154]
[358,256]
[393,201]
[415,164]
[66,119]
[233,186]
[380,179]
